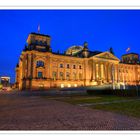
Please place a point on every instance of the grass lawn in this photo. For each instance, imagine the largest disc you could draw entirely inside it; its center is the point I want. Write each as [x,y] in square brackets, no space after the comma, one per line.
[91,99]
[130,108]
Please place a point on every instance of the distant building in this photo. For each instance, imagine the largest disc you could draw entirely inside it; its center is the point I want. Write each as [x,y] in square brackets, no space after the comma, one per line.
[131,58]
[41,68]
[5,81]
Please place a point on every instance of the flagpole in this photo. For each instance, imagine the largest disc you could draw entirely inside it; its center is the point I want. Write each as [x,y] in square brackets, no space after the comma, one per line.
[128,49]
[38,28]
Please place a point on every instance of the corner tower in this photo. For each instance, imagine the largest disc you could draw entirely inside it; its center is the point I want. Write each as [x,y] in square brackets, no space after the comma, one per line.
[39,42]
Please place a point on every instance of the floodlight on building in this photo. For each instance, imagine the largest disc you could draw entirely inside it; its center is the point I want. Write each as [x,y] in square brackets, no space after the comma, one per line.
[75,85]
[62,85]
[69,85]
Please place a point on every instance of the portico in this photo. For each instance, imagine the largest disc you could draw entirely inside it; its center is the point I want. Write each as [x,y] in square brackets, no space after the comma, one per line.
[104,69]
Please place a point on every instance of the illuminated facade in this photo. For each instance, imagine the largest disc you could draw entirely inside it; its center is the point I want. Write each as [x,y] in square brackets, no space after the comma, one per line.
[40,68]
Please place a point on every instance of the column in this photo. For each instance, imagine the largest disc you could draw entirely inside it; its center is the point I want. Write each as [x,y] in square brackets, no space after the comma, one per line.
[105,72]
[50,69]
[29,65]
[102,71]
[93,71]
[86,73]
[71,71]
[64,72]
[97,71]
[118,77]
[109,72]
[34,67]
[57,75]
[99,68]
[115,71]
[112,73]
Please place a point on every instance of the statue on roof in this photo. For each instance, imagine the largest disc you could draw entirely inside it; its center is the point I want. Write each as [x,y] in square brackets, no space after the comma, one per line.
[111,50]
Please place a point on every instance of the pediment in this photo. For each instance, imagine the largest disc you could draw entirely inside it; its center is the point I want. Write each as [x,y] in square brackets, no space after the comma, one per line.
[107,55]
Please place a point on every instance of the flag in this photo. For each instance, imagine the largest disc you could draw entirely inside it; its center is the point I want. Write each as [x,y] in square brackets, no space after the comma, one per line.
[128,49]
[38,28]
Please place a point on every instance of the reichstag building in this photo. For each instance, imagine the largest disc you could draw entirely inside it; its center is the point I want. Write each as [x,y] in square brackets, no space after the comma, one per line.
[41,68]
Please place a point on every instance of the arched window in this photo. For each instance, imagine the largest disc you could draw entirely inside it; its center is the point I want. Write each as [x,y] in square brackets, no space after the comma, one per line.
[80,76]
[45,43]
[40,74]
[36,41]
[74,66]
[40,43]
[61,76]
[68,76]
[68,66]
[54,75]
[61,65]
[74,76]
[40,63]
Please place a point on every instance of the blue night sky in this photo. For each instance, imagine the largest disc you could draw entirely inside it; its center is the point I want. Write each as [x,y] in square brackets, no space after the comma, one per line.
[100,28]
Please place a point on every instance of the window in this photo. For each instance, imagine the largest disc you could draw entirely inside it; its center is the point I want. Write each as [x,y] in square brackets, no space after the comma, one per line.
[68,76]
[61,65]
[80,76]
[36,41]
[74,67]
[74,76]
[45,42]
[40,43]
[40,63]
[54,75]
[61,76]
[68,66]
[40,74]
[80,67]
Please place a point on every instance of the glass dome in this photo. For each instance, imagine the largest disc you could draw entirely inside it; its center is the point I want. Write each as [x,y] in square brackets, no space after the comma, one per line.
[73,50]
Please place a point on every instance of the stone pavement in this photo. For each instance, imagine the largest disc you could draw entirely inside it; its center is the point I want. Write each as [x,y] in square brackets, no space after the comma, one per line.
[39,113]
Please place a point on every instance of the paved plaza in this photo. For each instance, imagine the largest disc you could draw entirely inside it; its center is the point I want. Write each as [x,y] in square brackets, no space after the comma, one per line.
[41,113]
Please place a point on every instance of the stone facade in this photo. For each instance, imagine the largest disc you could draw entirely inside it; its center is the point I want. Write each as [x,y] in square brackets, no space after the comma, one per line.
[40,68]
